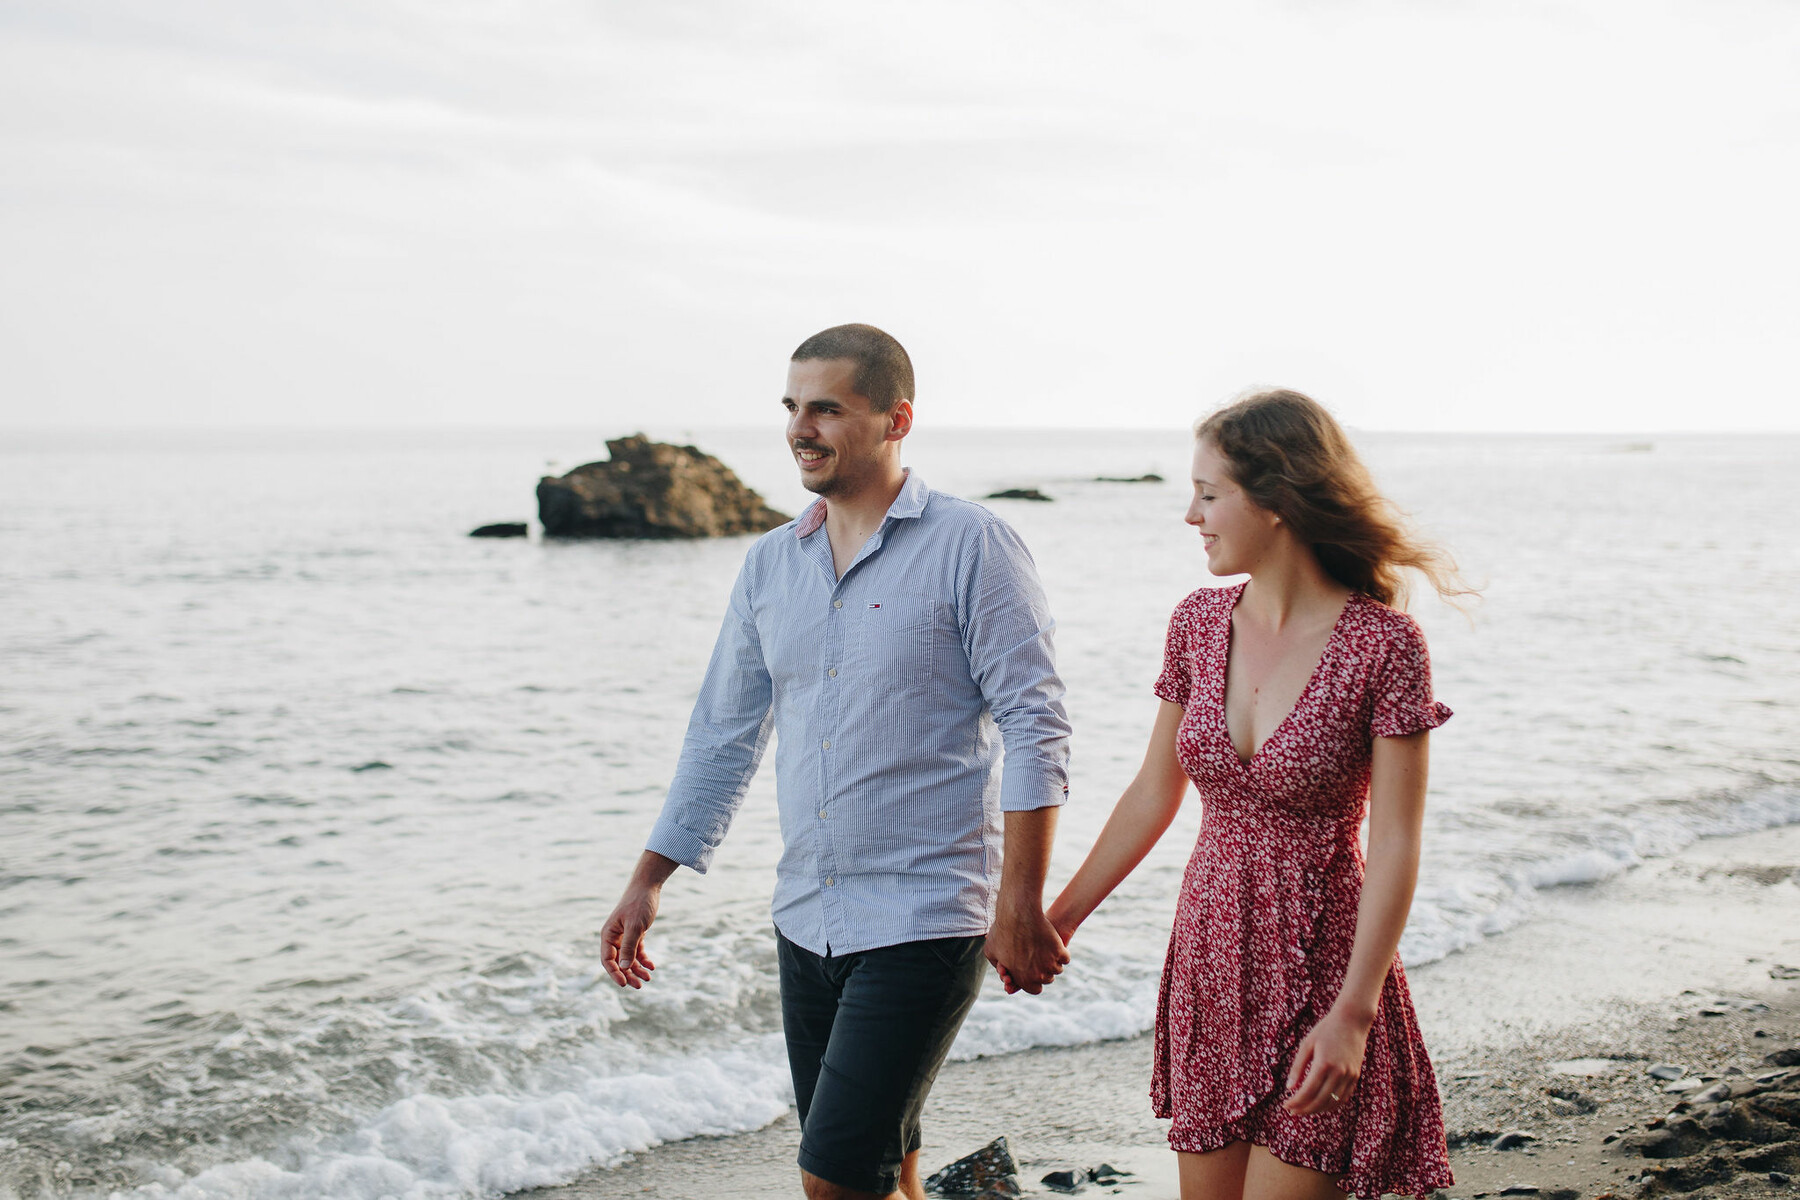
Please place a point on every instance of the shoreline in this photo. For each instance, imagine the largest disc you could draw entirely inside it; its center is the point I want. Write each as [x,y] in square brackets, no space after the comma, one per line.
[1619,971]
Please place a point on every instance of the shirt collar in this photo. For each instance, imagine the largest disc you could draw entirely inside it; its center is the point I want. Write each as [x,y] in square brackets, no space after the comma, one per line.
[909,503]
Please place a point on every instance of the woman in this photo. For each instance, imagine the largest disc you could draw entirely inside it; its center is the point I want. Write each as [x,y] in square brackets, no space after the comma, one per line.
[1287,1053]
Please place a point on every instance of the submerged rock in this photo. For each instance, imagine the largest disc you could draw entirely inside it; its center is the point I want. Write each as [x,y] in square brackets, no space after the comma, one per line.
[1019,494]
[503,529]
[1147,477]
[652,490]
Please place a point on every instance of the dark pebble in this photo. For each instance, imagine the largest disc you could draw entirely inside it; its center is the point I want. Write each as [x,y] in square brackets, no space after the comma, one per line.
[1513,1141]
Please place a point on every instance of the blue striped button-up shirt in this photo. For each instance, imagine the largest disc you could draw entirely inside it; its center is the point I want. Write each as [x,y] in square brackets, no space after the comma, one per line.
[893,691]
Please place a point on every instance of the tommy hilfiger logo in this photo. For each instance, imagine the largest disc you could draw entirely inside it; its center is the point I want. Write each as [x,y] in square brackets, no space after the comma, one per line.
[875,604]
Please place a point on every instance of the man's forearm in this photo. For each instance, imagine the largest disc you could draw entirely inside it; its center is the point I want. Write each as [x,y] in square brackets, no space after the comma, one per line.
[652,870]
[1030,836]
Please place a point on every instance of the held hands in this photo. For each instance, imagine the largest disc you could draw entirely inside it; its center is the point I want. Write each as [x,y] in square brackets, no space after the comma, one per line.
[1025,948]
[1327,1065]
[622,939]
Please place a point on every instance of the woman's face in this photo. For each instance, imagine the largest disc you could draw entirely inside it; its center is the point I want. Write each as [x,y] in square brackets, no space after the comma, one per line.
[1234,529]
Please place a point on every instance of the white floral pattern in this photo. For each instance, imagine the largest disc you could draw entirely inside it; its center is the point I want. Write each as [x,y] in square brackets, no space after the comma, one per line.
[1267,914]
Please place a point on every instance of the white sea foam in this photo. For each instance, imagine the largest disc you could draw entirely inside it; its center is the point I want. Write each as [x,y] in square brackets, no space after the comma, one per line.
[426,1147]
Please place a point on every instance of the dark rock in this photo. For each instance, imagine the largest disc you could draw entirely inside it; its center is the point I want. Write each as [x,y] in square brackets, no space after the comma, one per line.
[1471,1137]
[1780,1177]
[1574,1098]
[1778,971]
[1667,1071]
[1677,1139]
[1107,1173]
[1692,1175]
[1065,1181]
[651,490]
[1712,1095]
[1147,477]
[1780,1156]
[376,765]
[1783,1058]
[1783,1106]
[990,1171]
[1520,1189]
[504,529]
[1518,1139]
[1019,494]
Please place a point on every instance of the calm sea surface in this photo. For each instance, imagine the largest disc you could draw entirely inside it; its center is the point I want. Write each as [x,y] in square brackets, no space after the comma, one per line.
[310,805]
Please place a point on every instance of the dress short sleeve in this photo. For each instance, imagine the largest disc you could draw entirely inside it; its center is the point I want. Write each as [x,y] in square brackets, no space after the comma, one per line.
[1401,687]
[1176,683]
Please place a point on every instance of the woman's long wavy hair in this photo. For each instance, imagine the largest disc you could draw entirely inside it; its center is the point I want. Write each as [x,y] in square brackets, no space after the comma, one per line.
[1292,458]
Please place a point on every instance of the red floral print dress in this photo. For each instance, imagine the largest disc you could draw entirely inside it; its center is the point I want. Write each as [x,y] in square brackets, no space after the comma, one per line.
[1267,914]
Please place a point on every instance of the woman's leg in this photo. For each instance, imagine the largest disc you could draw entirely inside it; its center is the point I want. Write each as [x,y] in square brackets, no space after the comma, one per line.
[1268,1178]
[1217,1175]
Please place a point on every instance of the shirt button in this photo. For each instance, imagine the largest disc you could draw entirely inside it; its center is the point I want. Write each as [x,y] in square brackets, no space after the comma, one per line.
[830,882]
[832,672]
[837,604]
[828,743]
[822,814]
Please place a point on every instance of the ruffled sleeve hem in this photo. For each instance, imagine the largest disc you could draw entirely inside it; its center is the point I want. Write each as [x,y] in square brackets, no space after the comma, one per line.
[1411,720]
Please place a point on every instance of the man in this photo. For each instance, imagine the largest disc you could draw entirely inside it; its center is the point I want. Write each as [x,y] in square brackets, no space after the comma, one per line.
[888,634]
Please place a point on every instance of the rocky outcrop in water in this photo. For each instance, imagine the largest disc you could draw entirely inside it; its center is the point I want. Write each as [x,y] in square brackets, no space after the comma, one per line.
[651,490]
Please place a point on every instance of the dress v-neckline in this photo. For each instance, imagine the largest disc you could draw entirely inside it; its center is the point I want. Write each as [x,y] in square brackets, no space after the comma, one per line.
[1311,681]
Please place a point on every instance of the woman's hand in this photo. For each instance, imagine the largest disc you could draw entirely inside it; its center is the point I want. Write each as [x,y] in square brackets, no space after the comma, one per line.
[1327,1065]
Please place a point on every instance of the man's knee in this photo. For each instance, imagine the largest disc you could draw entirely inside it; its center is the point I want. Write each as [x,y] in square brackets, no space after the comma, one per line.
[824,1189]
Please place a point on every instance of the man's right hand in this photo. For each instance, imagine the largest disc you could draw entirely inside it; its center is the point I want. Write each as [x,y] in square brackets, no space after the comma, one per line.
[622,939]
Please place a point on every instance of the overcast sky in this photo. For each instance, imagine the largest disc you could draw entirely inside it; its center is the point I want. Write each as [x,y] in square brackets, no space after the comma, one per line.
[1445,215]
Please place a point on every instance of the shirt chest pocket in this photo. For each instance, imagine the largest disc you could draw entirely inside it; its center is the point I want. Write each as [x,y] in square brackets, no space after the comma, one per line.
[895,635]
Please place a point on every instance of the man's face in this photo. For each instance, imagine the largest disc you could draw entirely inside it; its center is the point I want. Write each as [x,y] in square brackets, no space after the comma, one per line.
[836,437]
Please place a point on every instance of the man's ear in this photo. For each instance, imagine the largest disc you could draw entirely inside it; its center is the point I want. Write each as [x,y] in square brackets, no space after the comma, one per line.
[899,420]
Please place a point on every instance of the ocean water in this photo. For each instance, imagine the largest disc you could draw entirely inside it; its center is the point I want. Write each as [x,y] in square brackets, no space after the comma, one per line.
[311,806]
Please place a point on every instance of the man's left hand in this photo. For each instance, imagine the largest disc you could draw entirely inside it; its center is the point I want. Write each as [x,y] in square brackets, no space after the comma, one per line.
[1024,948]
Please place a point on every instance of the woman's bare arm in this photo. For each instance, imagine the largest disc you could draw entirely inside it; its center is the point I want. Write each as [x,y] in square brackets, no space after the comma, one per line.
[1143,812]
[1329,1059]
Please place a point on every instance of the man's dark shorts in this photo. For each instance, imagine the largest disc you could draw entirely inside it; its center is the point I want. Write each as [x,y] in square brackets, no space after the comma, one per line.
[866,1034]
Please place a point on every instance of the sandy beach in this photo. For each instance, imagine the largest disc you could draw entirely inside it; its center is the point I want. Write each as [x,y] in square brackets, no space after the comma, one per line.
[1547,1031]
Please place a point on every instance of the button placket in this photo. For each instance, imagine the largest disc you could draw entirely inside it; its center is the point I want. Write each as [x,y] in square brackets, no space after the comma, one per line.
[829,711]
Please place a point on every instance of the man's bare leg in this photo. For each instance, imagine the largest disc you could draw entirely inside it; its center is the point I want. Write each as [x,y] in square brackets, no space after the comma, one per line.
[911,1186]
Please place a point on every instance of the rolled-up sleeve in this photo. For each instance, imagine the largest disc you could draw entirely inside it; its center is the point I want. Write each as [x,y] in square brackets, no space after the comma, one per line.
[726,737]
[1007,632]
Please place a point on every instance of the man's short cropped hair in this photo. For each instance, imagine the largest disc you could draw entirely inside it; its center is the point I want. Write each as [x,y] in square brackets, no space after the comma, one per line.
[883,371]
